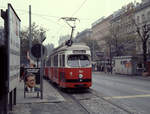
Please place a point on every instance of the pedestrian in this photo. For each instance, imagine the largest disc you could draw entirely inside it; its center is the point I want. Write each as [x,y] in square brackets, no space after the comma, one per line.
[105,69]
[111,69]
[108,69]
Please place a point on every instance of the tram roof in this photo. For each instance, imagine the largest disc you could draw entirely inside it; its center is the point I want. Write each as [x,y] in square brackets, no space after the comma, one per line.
[74,46]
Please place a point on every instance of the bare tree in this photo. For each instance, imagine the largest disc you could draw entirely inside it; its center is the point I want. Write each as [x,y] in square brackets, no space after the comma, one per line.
[144,34]
[114,40]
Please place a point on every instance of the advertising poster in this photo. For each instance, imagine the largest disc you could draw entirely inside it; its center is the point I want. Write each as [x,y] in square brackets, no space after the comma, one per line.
[32,80]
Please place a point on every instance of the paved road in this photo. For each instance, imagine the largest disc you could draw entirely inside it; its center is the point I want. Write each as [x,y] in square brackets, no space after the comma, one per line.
[130,93]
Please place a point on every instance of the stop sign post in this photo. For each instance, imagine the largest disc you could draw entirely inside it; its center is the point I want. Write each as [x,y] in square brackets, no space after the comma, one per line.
[36,50]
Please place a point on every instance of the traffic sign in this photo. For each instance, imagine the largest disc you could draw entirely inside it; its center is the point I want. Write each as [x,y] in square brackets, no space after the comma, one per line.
[36,51]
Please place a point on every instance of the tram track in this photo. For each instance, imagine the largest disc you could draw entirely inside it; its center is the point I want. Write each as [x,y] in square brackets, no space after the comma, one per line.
[80,104]
[69,97]
[96,94]
[72,96]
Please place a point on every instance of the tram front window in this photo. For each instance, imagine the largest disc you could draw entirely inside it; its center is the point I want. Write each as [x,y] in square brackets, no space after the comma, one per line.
[78,61]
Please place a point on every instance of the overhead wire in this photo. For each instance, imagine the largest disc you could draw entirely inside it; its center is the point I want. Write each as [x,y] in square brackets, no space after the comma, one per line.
[43,15]
[48,19]
[79,7]
[61,26]
[39,14]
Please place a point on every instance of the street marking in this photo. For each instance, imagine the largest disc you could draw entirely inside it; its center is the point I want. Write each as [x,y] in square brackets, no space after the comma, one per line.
[146,91]
[127,97]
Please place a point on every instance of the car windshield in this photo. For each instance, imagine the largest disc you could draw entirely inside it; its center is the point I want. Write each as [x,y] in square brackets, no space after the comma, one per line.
[78,60]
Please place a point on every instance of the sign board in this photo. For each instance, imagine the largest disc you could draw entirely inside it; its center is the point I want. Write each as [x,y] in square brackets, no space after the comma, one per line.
[32,79]
[36,51]
[13,48]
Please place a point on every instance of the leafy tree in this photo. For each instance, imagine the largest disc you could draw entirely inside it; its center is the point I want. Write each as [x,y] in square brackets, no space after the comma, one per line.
[24,35]
[114,40]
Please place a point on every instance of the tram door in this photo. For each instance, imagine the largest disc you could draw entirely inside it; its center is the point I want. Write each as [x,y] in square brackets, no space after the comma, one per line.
[62,65]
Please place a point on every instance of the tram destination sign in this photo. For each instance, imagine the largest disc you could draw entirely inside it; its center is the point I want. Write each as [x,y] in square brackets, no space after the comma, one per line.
[79,51]
[13,48]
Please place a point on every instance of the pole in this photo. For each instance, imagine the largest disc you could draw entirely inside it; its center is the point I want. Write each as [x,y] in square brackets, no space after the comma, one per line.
[41,69]
[30,27]
[37,63]
[30,35]
[10,100]
[93,51]
[15,95]
[110,54]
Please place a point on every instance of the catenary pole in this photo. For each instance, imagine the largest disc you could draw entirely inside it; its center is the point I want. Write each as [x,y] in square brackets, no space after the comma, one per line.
[30,35]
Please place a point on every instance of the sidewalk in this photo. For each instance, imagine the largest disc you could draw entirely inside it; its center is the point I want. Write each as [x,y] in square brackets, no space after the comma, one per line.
[133,76]
[50,95]
[54,103]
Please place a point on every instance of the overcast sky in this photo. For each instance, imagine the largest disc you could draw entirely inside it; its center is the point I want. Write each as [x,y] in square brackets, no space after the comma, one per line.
[47,13]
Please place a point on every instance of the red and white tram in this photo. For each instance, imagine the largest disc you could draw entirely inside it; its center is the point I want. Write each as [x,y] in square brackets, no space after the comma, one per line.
[70,66]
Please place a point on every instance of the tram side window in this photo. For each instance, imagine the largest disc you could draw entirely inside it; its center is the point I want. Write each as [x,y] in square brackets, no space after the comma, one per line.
[63,60]
[48,63]
[60,60]
[56,60]
[52,61]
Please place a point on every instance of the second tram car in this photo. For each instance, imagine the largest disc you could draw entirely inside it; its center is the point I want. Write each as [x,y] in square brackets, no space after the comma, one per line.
[70,66]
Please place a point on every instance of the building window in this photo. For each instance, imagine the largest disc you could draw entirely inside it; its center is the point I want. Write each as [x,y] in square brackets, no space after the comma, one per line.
[63,60]
[148,15]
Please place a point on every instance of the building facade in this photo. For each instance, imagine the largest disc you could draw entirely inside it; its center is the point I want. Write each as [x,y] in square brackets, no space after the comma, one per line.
[84,35]
[142,17]
[123,30]
[100,30]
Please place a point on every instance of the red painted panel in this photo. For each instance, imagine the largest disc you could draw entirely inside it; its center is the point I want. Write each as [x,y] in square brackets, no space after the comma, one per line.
[60,75]
[73,73]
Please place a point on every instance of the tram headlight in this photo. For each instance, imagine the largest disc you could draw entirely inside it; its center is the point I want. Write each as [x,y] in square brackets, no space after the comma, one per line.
[80,75]
[70,73]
